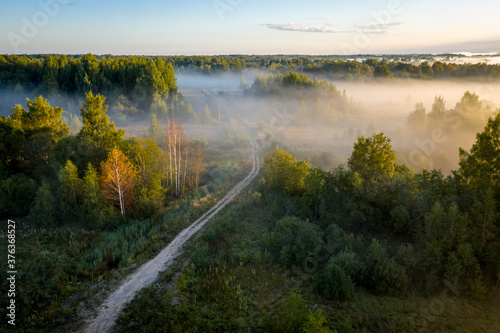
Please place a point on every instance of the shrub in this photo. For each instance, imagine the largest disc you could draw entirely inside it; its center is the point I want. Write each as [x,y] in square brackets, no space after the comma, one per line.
[16,195]
[333,283]
[293,240]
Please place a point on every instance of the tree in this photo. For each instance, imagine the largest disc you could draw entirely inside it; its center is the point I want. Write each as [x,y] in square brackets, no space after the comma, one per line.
[282,172]
[437,111]
[16,194]
[315,323]
[117,179]
[480,167]
[382,71]
[71,189]
[159,106]
[93,210]
[373,158]
[98,132]
[293,240]
[334,284]
[149,161]
[207,116]
[417,120]
[37,131]
[292,315]
[43,211]
[155,132]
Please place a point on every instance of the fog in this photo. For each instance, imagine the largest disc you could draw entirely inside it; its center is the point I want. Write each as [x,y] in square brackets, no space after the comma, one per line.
[379,107]
[326,140]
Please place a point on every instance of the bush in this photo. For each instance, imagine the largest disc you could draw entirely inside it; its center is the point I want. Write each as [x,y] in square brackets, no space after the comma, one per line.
[16,195]
[389,278]
[292,315]
[201,257]
[293,240]
[333,283]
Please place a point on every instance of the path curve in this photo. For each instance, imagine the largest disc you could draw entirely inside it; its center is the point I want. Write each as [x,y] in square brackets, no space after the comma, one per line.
[149,272]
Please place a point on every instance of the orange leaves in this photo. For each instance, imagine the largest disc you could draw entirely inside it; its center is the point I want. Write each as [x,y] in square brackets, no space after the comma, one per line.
[117,179]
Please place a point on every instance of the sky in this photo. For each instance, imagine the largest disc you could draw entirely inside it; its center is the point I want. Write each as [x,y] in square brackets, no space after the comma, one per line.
[208,27]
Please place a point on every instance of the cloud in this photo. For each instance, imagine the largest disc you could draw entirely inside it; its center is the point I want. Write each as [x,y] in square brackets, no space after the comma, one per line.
[301,27]
[367,28]
[375,28]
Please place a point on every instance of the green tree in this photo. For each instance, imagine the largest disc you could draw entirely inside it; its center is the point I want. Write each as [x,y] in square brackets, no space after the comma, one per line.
[70,190]
[43,211]
[485,216]
[373,158]
[383,72]
[292,315]
[159,106]
[315,323]
[149,161]
[98,132]
[154,131]
[37,131]
[481,166]
[334,284]
[282,172]
[93,211]
[16,195]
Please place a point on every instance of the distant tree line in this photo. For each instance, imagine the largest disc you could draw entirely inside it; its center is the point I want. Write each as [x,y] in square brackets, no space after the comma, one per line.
[124,71]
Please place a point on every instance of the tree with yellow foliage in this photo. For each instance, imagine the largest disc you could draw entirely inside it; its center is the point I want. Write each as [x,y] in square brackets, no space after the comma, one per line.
[117,179]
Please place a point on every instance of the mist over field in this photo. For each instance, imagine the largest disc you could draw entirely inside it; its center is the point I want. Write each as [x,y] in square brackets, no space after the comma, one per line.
[380,107]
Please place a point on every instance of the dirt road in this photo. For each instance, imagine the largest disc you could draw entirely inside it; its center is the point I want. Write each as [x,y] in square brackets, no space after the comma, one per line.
[149,272]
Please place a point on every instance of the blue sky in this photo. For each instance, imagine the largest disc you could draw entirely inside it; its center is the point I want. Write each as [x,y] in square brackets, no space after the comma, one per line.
[248,27]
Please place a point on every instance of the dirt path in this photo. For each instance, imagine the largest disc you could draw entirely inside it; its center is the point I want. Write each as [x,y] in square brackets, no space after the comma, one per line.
[149,272]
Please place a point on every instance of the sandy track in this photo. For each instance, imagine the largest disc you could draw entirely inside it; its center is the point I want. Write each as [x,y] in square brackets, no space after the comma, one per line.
[149,272]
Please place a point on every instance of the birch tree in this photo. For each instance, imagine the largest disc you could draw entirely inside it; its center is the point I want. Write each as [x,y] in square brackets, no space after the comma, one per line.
[117,179]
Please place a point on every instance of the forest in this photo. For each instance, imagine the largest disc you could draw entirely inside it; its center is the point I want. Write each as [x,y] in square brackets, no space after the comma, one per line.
[378,223]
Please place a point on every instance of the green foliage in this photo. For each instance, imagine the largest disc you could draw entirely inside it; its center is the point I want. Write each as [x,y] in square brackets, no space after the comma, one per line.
[480,167]
[70,190]
[334,283]
[389,278]
[373,158]
[16,195]
[292,316]
[282,172]
[400,219]
[292,241]
[94,212]
[35,132]
[43,212]
[315,323]
[154,131]
[383,72]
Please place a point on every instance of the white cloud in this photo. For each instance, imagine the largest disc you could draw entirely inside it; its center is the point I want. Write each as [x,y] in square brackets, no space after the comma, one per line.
[375,28]
[367,28]
[301,27]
